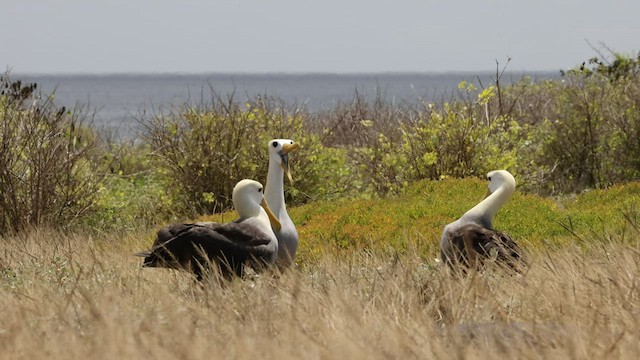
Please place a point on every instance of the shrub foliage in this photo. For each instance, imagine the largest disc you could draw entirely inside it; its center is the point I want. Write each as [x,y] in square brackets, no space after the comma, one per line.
[560,136]
[47,159]
[207,150]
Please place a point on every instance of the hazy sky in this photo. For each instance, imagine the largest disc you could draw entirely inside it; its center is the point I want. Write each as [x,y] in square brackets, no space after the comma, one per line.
[82,36]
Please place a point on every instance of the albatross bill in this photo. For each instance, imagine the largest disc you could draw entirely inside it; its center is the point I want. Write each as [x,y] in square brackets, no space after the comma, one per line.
[284,155]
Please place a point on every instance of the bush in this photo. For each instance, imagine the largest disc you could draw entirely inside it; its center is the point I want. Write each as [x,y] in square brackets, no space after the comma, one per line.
[355,124]
[586,135]
[134,194]
[206,150]
[48,160]
[457,139]
[556,136]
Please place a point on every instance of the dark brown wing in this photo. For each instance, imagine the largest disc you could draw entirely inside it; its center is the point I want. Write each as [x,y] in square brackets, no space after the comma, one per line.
[170,231]
[193,247]
[474,244]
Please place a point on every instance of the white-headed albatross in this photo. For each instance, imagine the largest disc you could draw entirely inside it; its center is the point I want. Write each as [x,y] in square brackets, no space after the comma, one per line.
[279,150]
[249,240]
[470,240]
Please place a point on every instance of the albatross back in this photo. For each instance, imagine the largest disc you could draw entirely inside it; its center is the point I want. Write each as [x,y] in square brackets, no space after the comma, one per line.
[471,245]
[197,247]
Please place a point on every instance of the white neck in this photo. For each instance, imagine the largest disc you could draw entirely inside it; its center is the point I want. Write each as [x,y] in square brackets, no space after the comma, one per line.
[487,208]
[247,211]
[264,219]
[274,190]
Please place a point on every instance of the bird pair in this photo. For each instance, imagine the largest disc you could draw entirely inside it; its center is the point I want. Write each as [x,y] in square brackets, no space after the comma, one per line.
[262,235]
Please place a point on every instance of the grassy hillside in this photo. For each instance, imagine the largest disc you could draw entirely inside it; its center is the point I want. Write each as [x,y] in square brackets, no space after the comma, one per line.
[414,219]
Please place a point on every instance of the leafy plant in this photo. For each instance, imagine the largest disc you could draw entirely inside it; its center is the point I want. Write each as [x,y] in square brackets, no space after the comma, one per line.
[206,151]
[49,160]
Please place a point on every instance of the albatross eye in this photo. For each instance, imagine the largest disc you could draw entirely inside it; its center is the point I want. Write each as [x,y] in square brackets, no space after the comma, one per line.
[275,144]
[489,178]
[260,190]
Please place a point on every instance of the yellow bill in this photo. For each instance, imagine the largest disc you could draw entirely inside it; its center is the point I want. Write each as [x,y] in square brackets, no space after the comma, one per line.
[275,223]
[286,149]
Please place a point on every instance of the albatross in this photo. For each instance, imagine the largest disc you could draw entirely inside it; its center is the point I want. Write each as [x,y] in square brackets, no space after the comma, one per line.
[287,235]
[471,240]
[198,247]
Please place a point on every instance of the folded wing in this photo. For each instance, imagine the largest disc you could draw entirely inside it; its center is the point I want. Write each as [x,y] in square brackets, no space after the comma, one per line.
[472,245]
[195,247]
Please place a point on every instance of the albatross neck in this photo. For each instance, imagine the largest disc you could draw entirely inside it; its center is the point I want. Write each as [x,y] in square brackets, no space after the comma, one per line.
[485,211]
[274,189]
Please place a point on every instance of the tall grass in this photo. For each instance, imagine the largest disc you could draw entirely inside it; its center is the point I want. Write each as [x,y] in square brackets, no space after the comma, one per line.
[367,284]
[73,296]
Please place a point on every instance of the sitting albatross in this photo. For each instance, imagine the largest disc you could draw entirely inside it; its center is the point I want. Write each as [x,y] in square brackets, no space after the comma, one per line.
[247,241]
[279,150]
[470,240]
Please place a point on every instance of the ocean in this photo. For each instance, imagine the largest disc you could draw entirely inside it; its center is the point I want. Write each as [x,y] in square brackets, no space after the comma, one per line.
[118,100]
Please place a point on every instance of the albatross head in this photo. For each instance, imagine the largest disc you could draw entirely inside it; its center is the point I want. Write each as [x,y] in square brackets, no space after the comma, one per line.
[501,186]
[500,179]
[248,199]
[279,150]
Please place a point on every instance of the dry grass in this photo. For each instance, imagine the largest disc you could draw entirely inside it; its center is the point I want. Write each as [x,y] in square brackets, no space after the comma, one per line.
[71,296]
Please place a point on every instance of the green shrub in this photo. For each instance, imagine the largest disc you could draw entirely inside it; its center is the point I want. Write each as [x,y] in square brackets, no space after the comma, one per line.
[615,67]
[206,151]
[587,135]
[49,161]
[356,124]
[132,202]
[456,140]
[557,136]
[134,194]
[571,141]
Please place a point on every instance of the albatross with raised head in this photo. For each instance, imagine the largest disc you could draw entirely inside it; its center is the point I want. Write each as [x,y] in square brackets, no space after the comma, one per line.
[249,240]
[287,235]
[471,240]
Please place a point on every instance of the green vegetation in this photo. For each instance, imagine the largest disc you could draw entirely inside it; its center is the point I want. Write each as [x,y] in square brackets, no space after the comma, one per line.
[205,153]
[558,137]
[49,161]
[413,221]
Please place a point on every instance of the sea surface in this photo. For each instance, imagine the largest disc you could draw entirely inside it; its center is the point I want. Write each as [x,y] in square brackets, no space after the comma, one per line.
[119,100]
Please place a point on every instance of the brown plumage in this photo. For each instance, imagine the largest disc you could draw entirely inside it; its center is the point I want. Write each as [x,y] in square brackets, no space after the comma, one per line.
[472,245]
[196,247]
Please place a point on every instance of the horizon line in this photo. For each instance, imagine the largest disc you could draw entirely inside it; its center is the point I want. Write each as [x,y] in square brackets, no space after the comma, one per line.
[266,73]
